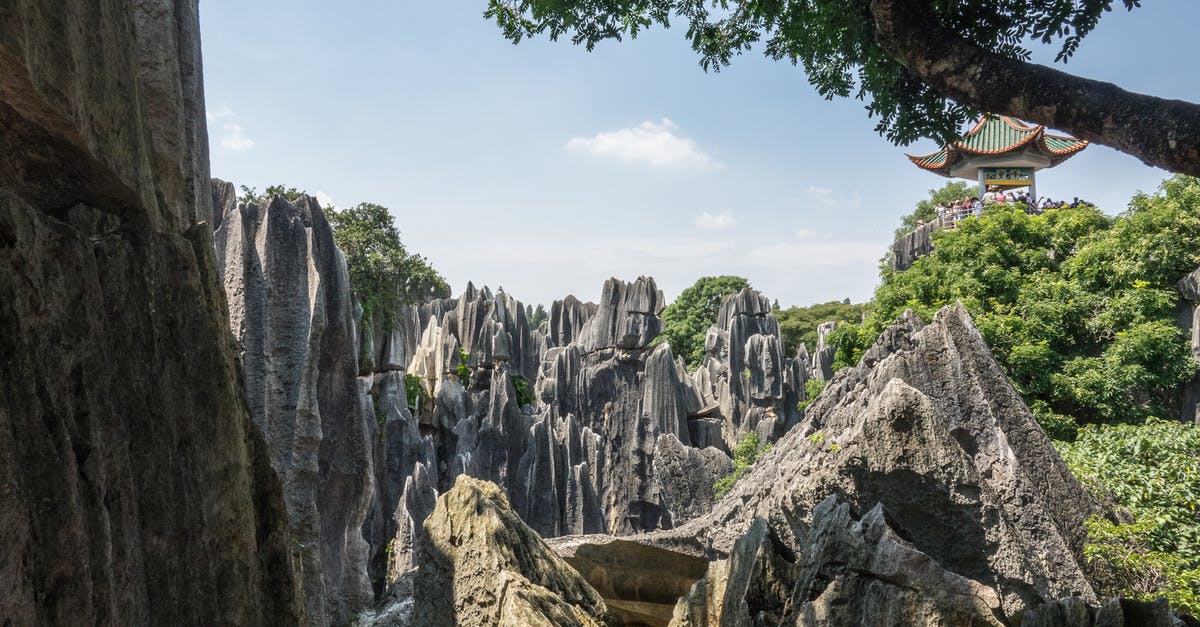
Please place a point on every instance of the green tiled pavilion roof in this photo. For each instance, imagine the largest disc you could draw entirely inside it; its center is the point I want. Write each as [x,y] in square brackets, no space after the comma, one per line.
[997,135]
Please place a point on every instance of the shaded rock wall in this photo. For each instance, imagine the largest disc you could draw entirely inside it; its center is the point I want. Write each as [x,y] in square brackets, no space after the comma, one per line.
[134,489]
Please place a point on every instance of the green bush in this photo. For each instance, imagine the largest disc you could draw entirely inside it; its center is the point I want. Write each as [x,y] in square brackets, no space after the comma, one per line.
[463,370]
[812,389]
[1153,470]
[413,390]
[745,453]
[524,391]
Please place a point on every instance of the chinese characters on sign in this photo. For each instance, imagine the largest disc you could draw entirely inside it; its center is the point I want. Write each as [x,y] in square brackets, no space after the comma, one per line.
[1007,176]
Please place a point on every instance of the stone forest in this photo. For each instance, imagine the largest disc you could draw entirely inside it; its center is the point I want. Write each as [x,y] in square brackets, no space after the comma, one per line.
[207,419]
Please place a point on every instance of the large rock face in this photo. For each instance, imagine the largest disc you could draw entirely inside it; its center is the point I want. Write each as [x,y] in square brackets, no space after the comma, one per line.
[291,312]
[915,244]
[929,428]
[746,384]
[918,487]
[133,487]
[110,116]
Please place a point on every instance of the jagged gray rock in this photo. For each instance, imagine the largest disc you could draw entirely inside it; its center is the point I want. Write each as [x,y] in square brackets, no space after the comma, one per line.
[627,316]
[292,315]
[745,384]
[928,423]
[915,244]
[927,437]
[403,461]
[134,489]
[822,359]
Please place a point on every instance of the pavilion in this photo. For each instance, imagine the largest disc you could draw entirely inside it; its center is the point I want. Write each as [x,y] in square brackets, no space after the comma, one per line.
[1001,152]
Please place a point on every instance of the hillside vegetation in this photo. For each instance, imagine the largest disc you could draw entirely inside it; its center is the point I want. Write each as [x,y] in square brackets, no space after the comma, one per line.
[1079,308]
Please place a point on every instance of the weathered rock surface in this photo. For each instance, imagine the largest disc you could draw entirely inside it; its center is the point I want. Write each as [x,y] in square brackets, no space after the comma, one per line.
[918,486]
[929,427]
[110,116]
[482,566]
[914,244]
[292,315]
[134,489]
[746,384]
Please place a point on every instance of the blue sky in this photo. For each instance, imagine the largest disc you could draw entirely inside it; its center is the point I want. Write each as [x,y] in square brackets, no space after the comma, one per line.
[545,169]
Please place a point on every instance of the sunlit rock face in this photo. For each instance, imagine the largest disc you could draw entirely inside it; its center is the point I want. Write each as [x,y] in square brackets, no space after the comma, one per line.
[134,489]
[918,485]
[291,312]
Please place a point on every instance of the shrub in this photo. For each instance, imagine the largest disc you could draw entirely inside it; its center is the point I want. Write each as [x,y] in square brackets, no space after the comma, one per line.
[414,391]
[747,451]
[523,390]
[1153,470]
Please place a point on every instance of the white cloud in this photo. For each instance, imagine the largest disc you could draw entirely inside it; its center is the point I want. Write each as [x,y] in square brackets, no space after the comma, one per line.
[829,199]
[325,199]
[807,254]
[233,136]
[656,144]
[813,249]
[721,220]
[234,139]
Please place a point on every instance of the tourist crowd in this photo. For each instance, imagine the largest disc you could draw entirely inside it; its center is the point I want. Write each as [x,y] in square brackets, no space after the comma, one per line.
[950,213]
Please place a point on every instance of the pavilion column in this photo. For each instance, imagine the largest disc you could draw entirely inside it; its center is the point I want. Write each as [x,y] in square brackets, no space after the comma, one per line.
[1033,185]
[982,187]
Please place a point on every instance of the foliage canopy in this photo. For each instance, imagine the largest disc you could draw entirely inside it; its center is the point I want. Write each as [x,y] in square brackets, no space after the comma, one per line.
[835,42]
[798,325]
[1153,470]
[687,319]
[383,273]
[1084,329]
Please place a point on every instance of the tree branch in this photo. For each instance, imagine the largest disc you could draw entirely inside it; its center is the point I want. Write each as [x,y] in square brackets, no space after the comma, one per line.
[1160,132]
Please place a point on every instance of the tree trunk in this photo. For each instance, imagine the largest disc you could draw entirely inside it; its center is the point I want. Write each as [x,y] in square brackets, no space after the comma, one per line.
[1160,132]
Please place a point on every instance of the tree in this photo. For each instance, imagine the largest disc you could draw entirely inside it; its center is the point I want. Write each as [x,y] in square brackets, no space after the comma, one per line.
[383,273]
[1151,470]
[798,325]
[1084,329]
[687,319]
[535,317]
[251,195]
[917,63]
